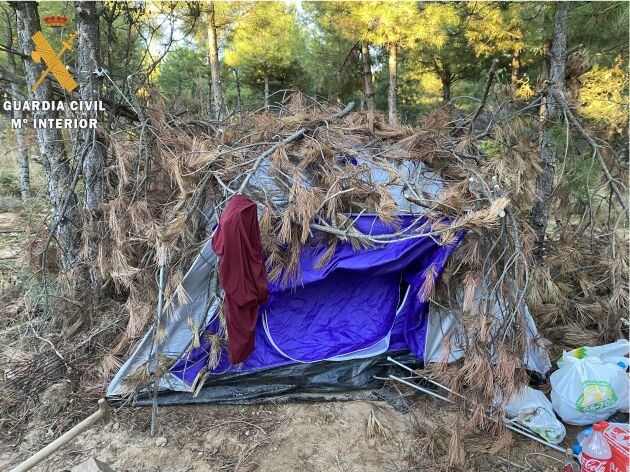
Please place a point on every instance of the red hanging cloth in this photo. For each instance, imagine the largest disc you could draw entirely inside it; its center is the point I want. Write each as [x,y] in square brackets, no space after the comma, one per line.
[241,273]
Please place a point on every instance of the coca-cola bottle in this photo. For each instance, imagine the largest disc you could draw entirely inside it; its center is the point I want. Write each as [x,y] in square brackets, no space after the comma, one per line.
[596,453]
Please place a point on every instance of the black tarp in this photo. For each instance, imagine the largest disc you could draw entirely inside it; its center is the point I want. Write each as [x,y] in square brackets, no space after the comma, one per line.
[356,379]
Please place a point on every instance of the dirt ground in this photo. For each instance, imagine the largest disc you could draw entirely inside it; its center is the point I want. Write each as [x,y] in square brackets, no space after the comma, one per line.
[309,437]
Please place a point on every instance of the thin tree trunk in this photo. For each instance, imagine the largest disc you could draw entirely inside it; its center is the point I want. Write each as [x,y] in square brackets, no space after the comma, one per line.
[516,67]
[215,71]
[25,181]
[23,169]
[266,90]
[92,144]
[368,87]
[550,113]
[393,84]
[52,151]
[239,103]
[447,81]
[203,41]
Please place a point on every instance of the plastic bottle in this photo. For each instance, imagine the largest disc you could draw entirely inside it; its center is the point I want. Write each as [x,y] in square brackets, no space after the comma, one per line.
[569,462]
[596,453]
[582,435]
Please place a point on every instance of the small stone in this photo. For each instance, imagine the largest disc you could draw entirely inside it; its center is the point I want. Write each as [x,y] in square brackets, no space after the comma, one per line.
[92,465]
[161,442]
[55,399]
[246,433]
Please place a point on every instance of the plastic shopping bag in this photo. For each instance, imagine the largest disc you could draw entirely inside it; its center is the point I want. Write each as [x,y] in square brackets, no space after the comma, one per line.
[613,353]
[585,391]
[532,408]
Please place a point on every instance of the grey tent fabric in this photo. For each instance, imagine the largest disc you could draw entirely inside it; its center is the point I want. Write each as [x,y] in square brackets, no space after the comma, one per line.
[446,322]
[199,288]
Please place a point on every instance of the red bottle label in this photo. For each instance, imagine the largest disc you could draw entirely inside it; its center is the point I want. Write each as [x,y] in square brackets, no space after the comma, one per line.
[591,464]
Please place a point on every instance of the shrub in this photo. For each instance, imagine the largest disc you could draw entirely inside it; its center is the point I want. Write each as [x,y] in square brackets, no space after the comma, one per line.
[9,184]
[10,204]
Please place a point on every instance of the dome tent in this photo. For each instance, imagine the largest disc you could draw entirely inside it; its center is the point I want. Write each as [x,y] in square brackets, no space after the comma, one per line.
[330,329]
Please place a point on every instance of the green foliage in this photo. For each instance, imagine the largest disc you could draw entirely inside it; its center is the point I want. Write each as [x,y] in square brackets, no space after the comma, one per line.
[444,50]
[604,97]
[383,23]
[491,148]
[559,136]
[442,47]
[581,176]
[9,183]
[333,55]
[184,77]
[499,29]
[10,204]
[419,91]
[268,42]
[602,27]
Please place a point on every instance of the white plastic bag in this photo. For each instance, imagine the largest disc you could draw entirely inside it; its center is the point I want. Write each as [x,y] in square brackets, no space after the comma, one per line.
[587,390]
[612,353]
[532,408]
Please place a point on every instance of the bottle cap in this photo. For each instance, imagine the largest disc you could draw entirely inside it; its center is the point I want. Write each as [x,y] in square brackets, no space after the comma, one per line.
[576,449]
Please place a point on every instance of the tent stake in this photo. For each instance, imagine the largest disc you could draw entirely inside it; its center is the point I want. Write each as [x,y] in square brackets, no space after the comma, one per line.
[102,413]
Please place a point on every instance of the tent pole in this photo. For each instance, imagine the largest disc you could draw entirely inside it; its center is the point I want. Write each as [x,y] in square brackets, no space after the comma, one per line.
[508,424]
[156,380]
[102,413]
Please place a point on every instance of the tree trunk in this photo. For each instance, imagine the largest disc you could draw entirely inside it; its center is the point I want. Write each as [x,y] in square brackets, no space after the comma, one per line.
[203,41]
[516,67]
[52,151]
[25,181]
[266,90]
[23,169]
[92,145]
[239,103]
[550,113]
[447,81]
[215,71]
[368,87]
[393,84]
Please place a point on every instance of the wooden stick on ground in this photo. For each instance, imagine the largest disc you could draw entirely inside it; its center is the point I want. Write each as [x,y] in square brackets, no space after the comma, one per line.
[102,413]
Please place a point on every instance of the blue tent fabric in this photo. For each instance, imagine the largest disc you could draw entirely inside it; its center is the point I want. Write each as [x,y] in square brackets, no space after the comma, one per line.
[351,307]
